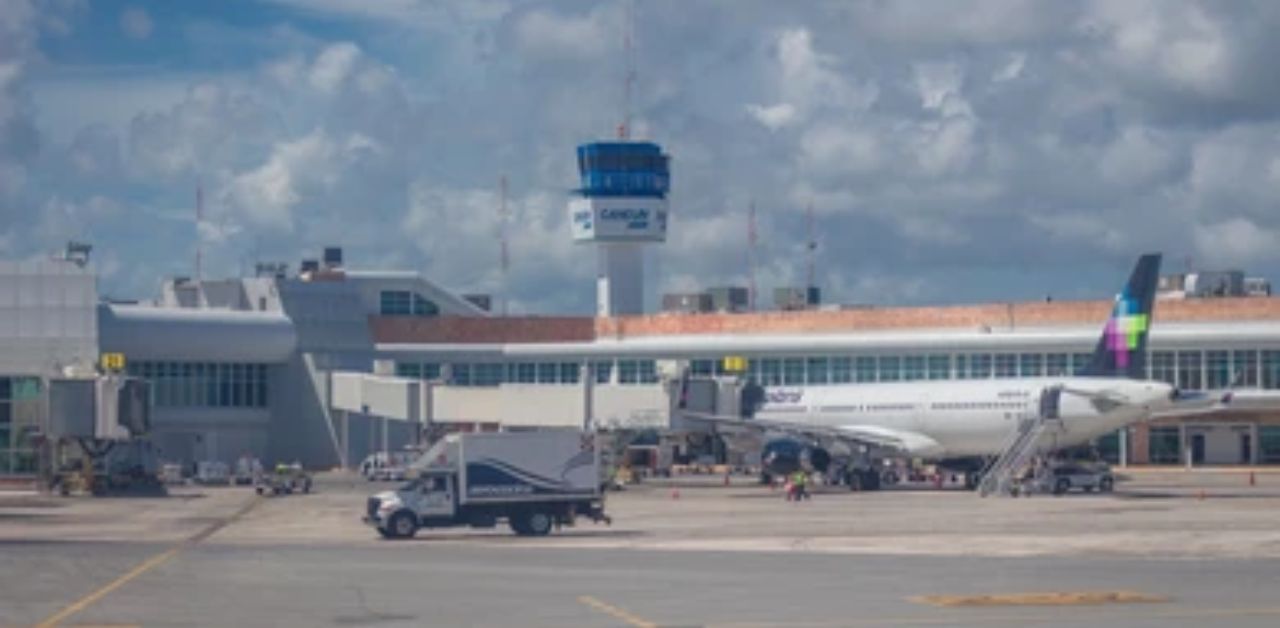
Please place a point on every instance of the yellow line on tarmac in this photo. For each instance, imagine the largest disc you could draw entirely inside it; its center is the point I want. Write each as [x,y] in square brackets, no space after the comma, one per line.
[144,567]
[615,612]
[1048,598]
[1018,618]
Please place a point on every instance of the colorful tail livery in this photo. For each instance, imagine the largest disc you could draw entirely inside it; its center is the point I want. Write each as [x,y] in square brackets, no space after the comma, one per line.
[1122,350]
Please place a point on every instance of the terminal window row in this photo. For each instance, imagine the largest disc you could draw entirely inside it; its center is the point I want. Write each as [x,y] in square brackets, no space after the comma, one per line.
[204,384]
[20,411]
[1166,446]
[627,372]
[1190,369]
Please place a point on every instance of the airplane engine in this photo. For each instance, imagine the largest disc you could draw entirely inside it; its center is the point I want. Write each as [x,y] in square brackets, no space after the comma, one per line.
[783,456]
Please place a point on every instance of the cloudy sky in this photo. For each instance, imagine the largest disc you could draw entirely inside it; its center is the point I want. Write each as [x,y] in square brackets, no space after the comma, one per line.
[952,152]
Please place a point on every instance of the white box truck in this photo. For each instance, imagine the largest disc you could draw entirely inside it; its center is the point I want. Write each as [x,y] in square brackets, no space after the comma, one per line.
[534,481]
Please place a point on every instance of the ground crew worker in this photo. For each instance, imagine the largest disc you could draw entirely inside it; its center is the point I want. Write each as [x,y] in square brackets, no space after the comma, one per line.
[799,480]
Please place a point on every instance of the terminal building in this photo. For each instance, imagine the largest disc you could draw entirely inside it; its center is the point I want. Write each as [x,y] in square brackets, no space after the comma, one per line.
[246,365]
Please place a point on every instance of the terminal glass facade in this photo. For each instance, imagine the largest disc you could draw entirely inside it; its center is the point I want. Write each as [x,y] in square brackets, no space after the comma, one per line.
[1163,445]
[1269,444]
[1190,370]
[20,403]
[204,384]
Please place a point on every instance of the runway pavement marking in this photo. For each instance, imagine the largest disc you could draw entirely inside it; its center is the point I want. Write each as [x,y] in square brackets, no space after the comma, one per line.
[615,612]
[1047,598]
[146,565]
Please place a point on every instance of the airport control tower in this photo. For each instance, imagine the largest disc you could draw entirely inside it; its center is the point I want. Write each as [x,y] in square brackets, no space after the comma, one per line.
[620,207]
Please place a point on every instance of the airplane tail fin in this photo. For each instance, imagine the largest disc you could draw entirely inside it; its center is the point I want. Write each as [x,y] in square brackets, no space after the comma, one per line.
[1122,349]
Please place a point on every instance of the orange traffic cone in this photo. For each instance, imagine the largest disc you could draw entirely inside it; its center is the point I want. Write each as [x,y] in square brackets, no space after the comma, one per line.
[1253,480]
[675,493]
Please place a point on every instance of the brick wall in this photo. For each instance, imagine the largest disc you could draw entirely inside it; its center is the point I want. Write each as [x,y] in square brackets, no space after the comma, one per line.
[993,315]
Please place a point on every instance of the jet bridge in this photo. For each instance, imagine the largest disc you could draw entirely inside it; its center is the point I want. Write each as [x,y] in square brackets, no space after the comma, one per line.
[383,405]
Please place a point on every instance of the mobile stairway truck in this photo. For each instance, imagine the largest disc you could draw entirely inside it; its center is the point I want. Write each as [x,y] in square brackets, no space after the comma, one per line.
[535,481]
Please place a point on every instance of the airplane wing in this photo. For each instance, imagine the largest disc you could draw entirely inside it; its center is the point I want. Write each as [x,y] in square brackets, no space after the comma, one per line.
[1201,402]
[896,441]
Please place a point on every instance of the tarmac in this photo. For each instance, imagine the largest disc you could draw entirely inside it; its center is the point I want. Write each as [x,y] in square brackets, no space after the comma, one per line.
[1167,549]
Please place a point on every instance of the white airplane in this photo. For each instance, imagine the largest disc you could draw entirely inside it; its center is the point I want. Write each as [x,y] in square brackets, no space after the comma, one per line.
[961,423]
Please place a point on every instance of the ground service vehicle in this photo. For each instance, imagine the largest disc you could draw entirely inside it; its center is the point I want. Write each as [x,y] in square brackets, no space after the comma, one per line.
[532,480]
[287,479]
[387,466]
[1063,478]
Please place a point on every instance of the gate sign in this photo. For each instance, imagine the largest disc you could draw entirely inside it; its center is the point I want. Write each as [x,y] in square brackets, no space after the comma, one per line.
[113,362]
[618,219]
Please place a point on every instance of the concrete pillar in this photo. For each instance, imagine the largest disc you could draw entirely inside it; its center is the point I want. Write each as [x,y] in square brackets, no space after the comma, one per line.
[1124,447]
[588,396]
[386,439]
[1255,435]
[1183,445]
[345,456]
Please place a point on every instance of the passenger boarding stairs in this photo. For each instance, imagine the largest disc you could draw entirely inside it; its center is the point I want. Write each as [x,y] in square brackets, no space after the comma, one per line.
[1001,476]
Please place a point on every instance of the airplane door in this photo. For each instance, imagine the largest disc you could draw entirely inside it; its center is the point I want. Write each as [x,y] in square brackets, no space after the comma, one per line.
[1051,403]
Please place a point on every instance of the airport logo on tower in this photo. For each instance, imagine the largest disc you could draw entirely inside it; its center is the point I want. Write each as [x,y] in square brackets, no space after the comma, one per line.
[615,219]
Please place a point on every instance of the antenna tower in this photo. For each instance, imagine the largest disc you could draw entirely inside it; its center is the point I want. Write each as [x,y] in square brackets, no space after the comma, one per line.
[503,245]
[751,257]
[629,78]
[199,235]
[811,250]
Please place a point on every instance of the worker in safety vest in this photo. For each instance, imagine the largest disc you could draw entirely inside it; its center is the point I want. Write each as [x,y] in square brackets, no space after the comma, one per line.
[799,480]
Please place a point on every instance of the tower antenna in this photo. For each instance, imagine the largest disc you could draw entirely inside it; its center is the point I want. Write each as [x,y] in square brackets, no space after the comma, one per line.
[751,257]
[199,234]
[629,78]
[811,250]
[504,250]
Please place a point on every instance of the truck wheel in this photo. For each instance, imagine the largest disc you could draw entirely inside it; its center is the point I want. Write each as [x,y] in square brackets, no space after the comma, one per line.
[539,523]
[402,525]
[517,524]
[1106,484]
[1062,486]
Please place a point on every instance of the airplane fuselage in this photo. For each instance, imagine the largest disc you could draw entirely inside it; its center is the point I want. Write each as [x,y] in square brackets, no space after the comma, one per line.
[969,417]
